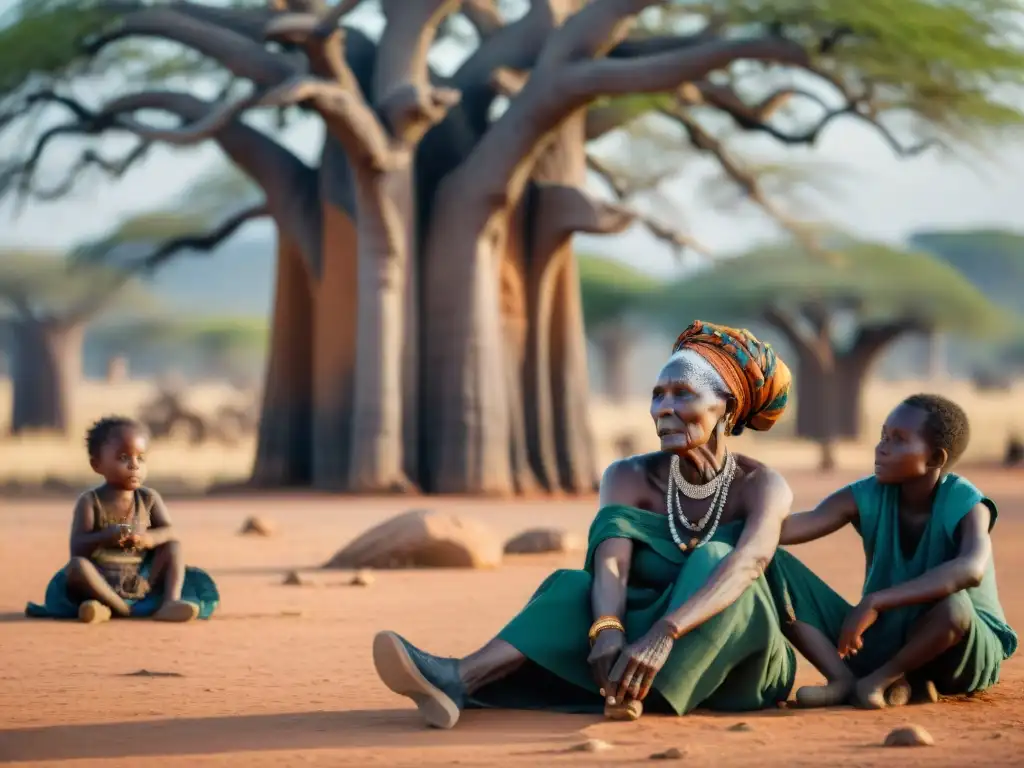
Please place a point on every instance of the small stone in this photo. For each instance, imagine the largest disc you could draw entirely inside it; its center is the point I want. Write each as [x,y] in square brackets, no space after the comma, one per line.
[256,526]
[910,736]
[362,578]
[296,579]
[740,727]
[591,745]
[672,753]
[537,541]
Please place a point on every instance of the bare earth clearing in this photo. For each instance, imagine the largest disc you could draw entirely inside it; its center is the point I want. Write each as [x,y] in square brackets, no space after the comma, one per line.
[282,675]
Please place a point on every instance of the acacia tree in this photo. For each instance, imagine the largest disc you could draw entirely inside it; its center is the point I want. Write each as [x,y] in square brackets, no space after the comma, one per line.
[432,242]
[878,293]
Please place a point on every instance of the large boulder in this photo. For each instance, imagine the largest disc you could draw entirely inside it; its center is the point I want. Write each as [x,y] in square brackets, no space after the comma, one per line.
[422,538]
[537,541]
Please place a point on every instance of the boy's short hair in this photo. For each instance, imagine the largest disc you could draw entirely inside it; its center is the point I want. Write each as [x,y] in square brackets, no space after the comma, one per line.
[100,432]
[947,425]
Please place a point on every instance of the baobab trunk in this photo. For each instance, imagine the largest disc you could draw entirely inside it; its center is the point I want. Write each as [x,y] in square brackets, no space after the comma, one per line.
[284,454]
[334,352]
[465,431]
[47,366]
[816,406]
[384,227]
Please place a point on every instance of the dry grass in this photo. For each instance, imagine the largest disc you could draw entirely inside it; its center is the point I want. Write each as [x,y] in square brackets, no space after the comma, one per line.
[33,460]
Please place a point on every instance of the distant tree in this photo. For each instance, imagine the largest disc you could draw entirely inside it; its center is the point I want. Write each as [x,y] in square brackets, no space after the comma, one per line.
[612,292]
[45,308]
[836,317]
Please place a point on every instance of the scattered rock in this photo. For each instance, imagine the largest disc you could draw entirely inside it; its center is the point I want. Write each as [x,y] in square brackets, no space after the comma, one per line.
[149,673]
[740,727]
[672,753]
[910,736]
[257,526]
[362,578]
[422,538]
[590,745]
[543,540]
[296,579]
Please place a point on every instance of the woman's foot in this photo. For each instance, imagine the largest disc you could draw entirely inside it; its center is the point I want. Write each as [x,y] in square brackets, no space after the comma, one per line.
[93,612]
[433,683]
[177,611]
[833,694]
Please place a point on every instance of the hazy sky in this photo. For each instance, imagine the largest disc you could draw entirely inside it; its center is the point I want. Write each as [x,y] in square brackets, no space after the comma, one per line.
[879,195]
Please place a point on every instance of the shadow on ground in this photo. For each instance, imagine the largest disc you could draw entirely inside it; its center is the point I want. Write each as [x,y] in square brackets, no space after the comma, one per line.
[278,732]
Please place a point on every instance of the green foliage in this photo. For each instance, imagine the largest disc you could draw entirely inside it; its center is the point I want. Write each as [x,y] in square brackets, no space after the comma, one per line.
[48,285]
[879,283]
[991,259]
[612,291]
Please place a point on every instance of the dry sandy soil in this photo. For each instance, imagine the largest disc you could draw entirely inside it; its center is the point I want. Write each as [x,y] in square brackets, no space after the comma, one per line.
[282,675]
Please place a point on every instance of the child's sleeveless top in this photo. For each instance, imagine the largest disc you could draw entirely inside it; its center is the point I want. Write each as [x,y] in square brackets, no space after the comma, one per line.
[121,567]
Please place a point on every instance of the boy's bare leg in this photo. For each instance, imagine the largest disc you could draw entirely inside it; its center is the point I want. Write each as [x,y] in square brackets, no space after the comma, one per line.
[85,582]
[168,572]
[816,648]
[939,629]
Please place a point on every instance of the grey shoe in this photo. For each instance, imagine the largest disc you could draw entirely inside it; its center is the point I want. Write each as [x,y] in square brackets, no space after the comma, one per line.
[433,683]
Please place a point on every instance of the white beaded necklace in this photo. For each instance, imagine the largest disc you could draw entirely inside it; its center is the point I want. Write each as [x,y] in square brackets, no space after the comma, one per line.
[719,487]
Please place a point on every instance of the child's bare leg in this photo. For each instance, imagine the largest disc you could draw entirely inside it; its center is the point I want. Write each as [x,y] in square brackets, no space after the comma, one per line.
[168,573]
[85,582]
[939,629]
[816,648]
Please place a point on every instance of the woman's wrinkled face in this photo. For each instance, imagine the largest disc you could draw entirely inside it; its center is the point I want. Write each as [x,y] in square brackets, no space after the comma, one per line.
[687,404]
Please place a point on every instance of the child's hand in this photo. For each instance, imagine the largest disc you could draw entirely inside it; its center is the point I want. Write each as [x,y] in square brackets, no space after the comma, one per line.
[140,541]
[856,624]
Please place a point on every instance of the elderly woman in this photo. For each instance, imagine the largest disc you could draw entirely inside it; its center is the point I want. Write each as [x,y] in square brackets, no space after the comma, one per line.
[672,606]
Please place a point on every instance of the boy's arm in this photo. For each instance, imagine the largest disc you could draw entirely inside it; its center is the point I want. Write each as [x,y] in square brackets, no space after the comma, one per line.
[829,516]
[160,529]
[84,538]
[964,571]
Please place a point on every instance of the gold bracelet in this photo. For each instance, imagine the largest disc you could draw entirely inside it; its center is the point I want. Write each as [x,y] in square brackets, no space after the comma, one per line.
[603,623]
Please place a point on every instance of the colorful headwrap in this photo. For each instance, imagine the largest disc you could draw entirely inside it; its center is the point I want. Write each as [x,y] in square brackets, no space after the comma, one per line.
[757,378]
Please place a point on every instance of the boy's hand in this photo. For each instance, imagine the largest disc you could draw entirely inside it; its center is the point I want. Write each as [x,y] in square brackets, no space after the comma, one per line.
[856,624]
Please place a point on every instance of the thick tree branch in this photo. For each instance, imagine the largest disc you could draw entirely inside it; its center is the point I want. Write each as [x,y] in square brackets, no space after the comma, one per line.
[484,16]
[235,52]
[873,338]
[402,91]
[114,169]
[204,243]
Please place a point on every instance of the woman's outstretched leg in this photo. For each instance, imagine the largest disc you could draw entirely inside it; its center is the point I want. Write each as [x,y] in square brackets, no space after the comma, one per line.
[439,686]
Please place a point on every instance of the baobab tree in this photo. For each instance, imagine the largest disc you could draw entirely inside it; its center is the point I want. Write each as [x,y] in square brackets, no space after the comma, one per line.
[427,327]
[836,318]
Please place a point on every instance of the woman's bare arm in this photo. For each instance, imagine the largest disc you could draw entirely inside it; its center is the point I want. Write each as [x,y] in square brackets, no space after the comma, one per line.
[829,516]
[768,497]
[613,556]
[85,539]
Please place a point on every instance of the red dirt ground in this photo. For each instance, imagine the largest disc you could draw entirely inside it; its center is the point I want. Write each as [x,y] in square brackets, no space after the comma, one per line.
[282,675]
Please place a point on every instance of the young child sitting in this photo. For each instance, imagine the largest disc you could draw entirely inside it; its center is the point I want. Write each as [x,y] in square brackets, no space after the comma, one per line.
[930,619]
[125,557]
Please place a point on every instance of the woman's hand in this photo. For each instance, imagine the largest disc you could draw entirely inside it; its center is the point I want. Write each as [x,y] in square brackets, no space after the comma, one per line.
[602,658]
[633,674]
[857,623]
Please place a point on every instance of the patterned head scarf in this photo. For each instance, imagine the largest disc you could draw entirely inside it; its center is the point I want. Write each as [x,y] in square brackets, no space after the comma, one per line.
[756,377]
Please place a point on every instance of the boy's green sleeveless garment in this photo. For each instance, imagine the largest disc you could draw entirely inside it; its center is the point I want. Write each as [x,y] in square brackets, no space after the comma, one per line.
[973,665]
[736,661]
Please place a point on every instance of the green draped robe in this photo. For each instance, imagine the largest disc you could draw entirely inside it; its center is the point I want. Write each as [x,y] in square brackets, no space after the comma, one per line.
[972,665]
[736,661]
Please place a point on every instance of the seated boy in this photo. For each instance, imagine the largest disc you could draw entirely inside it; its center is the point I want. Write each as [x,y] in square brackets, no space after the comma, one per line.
[125,557]
[930,617]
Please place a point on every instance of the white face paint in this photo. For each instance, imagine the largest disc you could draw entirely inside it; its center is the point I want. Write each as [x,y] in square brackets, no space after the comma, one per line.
[697,370]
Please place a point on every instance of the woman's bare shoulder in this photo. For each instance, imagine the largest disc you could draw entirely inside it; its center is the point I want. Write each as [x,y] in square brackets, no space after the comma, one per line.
[751,472]
[626,479]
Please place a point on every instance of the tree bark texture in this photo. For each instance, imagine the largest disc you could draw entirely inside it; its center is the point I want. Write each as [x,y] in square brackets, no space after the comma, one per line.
[428,327]
[47,365]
